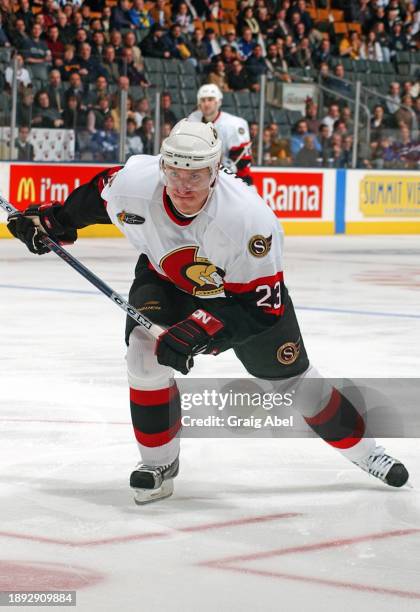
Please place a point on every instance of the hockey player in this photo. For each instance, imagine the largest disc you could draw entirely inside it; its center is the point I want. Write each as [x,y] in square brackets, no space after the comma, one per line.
[213,288]
[232,130]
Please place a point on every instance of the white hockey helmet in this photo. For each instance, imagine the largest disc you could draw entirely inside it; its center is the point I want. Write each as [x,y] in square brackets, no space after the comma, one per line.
[192,145]
[209,91]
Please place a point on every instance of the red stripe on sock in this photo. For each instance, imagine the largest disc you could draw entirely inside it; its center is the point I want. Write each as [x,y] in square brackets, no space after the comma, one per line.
[328,412]
[352,440]
[153,397]
[157,439]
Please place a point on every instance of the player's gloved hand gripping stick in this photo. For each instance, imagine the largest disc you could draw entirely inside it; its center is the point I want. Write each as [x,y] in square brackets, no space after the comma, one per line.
[49,244]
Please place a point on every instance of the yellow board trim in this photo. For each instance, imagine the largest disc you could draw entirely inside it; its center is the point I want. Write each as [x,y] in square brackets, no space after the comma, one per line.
[383,227]
[308,228]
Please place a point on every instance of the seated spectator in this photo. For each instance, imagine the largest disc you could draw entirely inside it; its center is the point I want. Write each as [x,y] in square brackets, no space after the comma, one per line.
[128,68]
[43,115]
[350,46]
[22,75]
[49,12]
[167,113]
[331,117]
[115,39]
[140,17]
[304,54]
[307,155]
[183,19]
[55,90]
[90,68]
[324,143]
[398,40]
[25,151]
[98,113]
[237,78]
[105,142]
[280,152]
[110,67]
[340,128]
[275,62]
[131,43]
[161,14]
[267,146]
[4,38]
[101,89]
[383,39]
[323,53]
[346,116]
[230,39]
[35,50]
[80,38]
[142,109]
[290,50]
[146,133]
[338,82]
[407,148]
[212,44]
[217,76]
[74,118]
[405,114]
[347,152]
[199,50]
[106,21]
[378,122]
[25,13]
[311,117]
[77,88]
[120,15]
[246,44]
[227,56]
[24,108]
[246,20]
[255,66]
[55,45]
[215,13]
[393,101]
[154,45]
[116,110]
[298,29]
[133,142]
[299,134]
[70,62]
[18,35]
[281,26]
[371,49]
[98,45]
[177,43]
[265,21]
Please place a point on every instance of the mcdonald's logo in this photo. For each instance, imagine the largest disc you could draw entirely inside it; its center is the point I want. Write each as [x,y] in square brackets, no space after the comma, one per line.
[26,190]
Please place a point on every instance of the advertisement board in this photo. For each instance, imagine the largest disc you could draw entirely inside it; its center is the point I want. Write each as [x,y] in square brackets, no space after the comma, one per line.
[382,201]
[304,200]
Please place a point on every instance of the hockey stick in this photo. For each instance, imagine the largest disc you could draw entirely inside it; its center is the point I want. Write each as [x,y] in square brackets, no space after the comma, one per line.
[153,329]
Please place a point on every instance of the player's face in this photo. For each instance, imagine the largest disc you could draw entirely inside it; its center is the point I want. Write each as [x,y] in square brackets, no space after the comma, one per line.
[209,107]
[188,189]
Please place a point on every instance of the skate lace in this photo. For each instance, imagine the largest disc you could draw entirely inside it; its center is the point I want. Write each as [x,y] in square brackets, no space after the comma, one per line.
[379,463]
[160,469]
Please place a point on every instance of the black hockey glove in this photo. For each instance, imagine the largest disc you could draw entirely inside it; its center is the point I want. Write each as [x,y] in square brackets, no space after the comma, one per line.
[36,220]
[178,344]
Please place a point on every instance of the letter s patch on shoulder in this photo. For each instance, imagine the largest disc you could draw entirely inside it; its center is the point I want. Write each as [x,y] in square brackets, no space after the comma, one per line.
[130,218]
[259,246]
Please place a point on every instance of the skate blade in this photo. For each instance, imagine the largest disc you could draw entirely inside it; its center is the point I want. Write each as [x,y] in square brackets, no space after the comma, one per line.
[147,496]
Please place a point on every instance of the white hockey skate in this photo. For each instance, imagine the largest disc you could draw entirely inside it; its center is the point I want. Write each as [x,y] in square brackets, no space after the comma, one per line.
[386,468]
[153,482]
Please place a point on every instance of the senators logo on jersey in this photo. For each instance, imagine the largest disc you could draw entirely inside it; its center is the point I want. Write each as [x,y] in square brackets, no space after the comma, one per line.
[259,246]
[194,274]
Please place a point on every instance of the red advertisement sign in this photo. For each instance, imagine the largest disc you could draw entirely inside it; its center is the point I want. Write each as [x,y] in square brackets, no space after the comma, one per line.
[296,195]
[39,183]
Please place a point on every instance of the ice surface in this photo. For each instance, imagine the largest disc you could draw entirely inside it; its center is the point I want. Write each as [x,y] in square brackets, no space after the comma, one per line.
[254,524]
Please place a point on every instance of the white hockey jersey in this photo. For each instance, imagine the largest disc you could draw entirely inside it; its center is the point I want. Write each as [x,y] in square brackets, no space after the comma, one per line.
[232,247]
[233,132]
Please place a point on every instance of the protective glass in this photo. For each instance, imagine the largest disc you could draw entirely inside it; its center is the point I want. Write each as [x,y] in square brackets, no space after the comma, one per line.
[187,180]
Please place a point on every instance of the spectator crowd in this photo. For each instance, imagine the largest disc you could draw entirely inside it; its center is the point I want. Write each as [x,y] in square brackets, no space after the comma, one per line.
[75,57]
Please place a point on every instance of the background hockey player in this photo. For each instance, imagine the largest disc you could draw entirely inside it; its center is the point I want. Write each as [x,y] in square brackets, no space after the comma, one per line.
[233,131]
[211,271]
